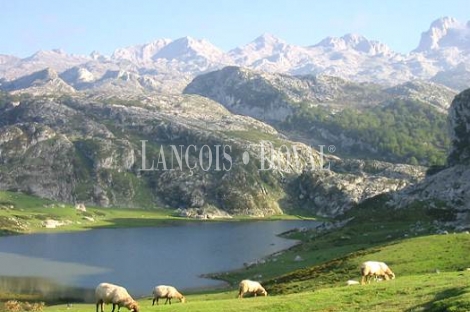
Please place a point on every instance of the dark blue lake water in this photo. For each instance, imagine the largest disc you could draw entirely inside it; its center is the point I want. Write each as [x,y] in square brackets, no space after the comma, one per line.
[140,258]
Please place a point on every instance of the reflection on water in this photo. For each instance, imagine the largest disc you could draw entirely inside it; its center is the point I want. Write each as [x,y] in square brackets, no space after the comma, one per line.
[140,258]
[66,272]
[38,278]
[43,289]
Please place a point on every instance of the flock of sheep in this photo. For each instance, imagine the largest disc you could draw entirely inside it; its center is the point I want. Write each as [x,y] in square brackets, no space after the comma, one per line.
[107,293]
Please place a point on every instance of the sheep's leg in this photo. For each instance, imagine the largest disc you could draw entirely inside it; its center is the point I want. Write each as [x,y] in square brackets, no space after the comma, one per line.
[114,305]
[153,301]
[166,301]
[363,280]
[99,303]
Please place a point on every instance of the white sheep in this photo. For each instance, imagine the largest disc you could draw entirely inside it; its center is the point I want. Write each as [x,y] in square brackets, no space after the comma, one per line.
[117,295]
[375,269]
[247,286]
[168,292]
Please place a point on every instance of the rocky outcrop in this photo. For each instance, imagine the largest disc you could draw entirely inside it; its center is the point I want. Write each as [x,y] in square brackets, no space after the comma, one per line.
[436,95]
[40,82]
[448,189]
[273,97]
[459,120]
[350,182]
[445,32]
[243,92]
[89,150]
[198,157]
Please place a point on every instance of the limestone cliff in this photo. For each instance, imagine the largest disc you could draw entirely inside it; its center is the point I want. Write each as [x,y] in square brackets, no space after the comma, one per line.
[448,188]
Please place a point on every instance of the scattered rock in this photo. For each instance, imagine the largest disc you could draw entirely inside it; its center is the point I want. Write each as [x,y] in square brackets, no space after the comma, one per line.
[52,224]
[80,207]
[352,282]
[209,213]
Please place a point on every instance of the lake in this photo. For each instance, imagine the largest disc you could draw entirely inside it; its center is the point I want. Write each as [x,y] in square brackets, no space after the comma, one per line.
[140,258]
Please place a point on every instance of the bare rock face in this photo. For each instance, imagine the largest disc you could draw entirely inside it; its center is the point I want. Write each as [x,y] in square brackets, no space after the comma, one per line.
[449,189]
[350,182]
[439,30]
[88,149]
[459,120]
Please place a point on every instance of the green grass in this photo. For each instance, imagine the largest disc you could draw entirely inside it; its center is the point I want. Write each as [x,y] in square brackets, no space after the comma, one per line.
[432,270]
[22,213]
[448,291]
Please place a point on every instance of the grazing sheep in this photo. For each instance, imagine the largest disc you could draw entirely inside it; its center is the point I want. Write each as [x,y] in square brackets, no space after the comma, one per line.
[375,269]
[168,292]
[117,295]
[247,286]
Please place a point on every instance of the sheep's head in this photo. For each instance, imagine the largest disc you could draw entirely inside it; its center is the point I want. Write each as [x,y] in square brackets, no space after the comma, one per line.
[262,292]
[392,275]
[182,299]
[134,307]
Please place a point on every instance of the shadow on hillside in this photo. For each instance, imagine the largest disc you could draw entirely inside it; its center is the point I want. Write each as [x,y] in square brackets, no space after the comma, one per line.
[446,300]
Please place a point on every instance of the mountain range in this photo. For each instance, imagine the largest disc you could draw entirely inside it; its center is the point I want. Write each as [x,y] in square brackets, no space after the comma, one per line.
[442,56]
[72,127]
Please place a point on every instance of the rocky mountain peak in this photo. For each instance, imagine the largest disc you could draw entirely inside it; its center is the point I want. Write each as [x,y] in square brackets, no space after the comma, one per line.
[76,75]
[267,39]
[444,23]
[264,46]
[445,32]
[43,81]
[46,53]
[95,55]
[139,53]
[356,42]
[41,76]
[187,47]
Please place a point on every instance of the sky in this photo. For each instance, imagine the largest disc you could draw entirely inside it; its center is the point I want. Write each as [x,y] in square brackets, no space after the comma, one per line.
[83,26]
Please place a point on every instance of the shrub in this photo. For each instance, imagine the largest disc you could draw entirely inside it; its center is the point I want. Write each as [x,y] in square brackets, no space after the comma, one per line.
[17,306]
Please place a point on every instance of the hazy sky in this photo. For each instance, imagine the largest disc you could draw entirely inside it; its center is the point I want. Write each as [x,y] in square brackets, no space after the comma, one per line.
[82,26]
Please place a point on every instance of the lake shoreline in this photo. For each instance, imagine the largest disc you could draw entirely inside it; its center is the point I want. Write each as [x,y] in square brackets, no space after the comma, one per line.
[217,233]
